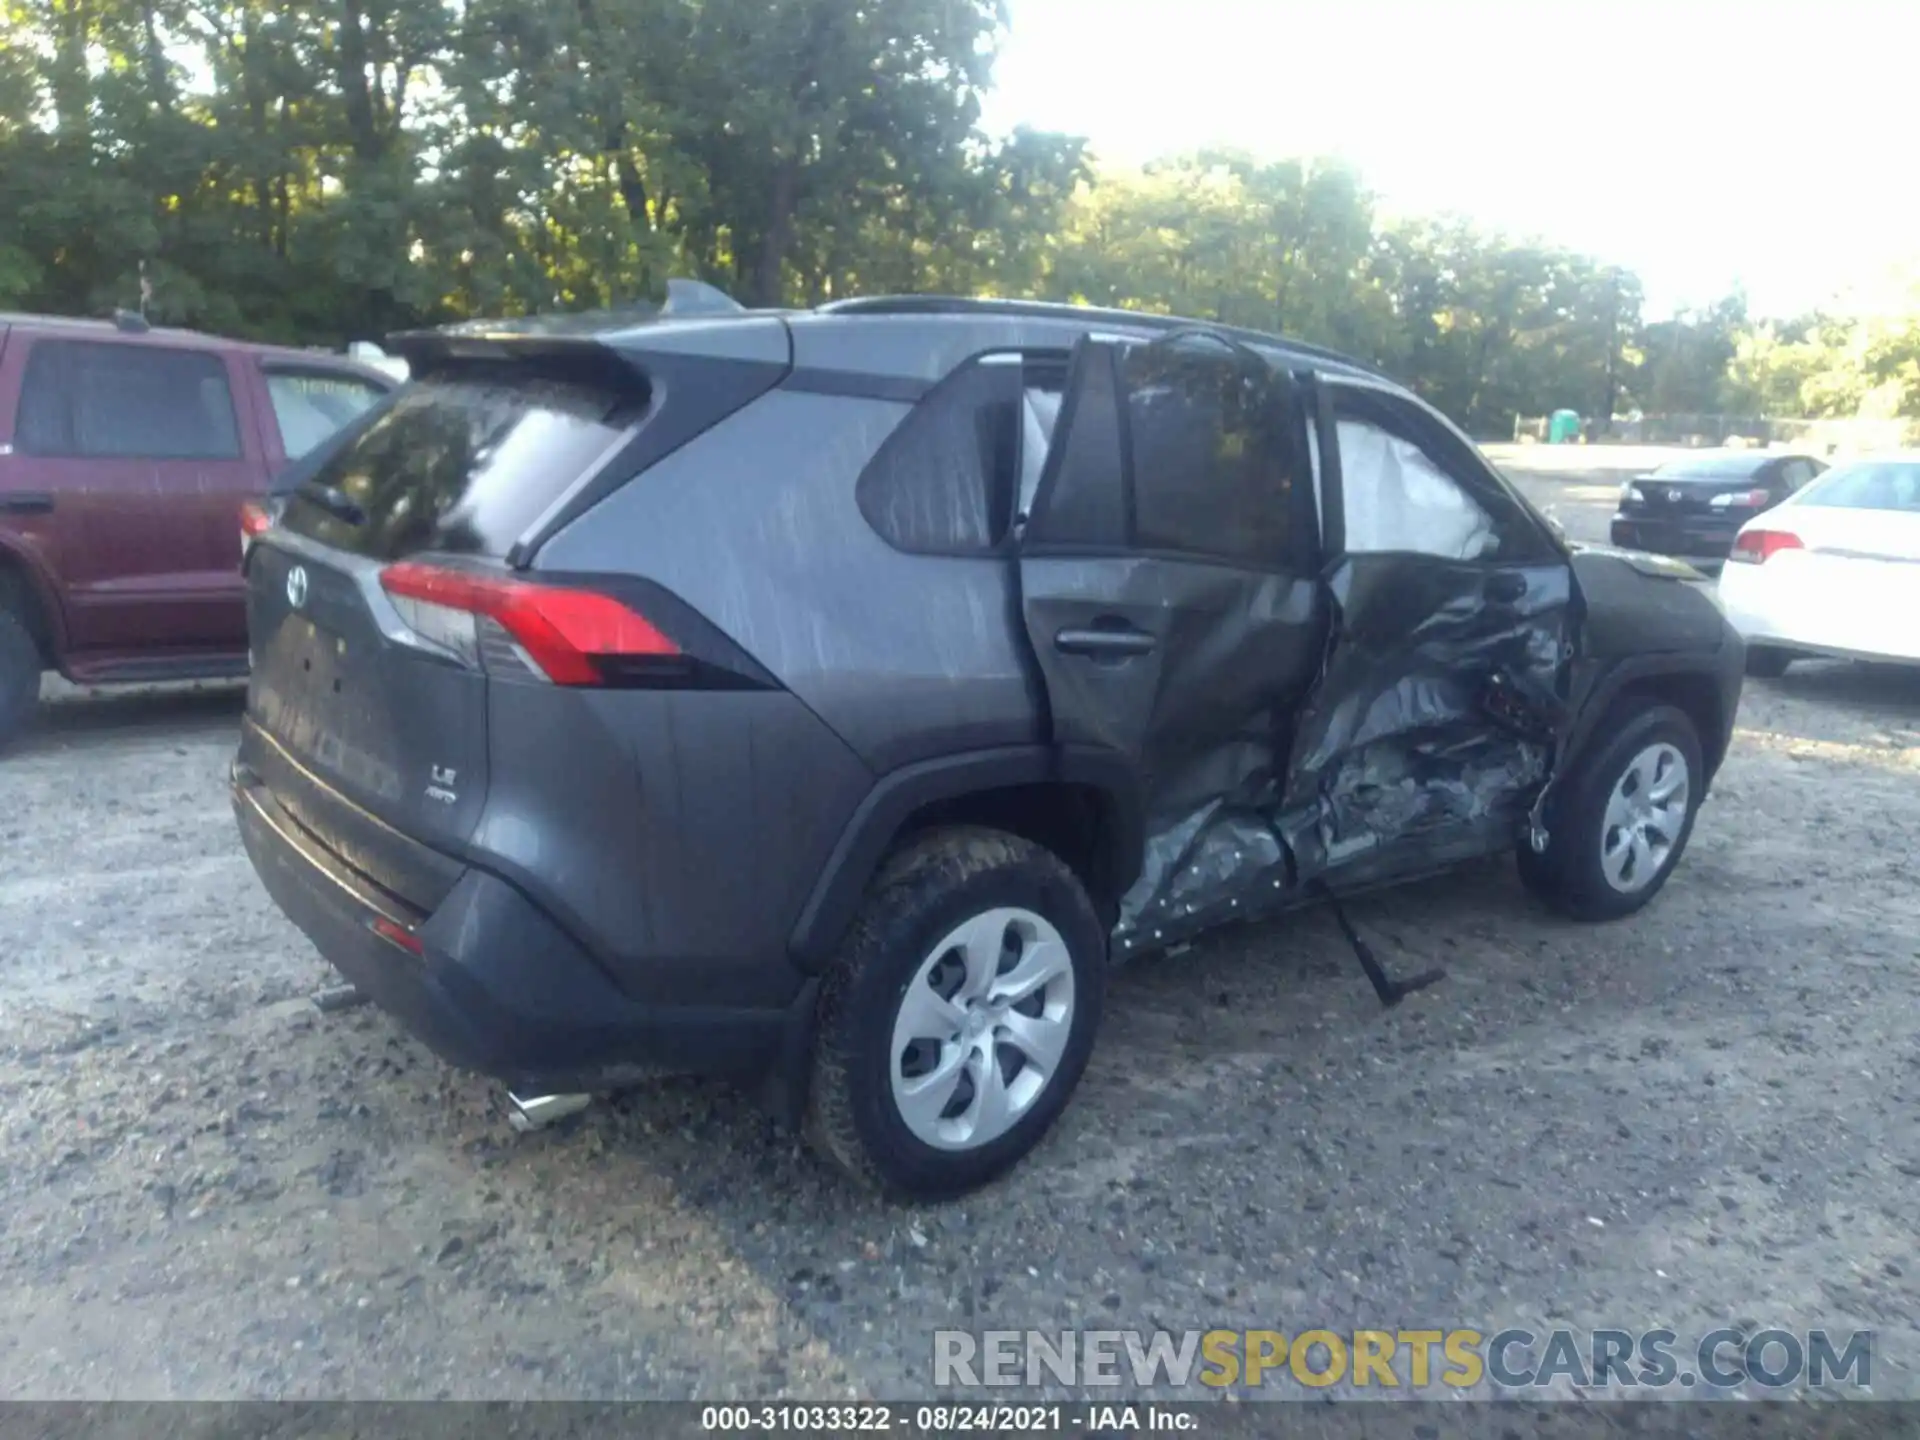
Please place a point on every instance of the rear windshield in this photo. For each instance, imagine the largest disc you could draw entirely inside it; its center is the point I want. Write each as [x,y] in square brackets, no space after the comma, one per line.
[1885,486]
[1710,467]
[463,464]
[310,405]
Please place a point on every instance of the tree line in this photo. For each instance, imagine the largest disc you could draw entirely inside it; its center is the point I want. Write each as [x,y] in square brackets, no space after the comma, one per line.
[318,171]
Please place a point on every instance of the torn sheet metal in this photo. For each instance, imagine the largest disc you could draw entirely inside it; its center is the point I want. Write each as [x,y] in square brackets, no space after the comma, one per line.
[1429,732]
[1215,864]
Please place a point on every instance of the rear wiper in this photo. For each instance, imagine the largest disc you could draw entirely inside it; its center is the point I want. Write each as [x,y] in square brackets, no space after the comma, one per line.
[335,502]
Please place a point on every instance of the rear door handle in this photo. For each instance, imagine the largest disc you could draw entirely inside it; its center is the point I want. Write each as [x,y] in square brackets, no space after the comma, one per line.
[26,502]
[1508,585]
[1104,644]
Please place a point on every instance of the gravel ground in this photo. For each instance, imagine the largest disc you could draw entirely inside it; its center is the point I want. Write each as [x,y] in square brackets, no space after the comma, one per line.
[1698,1117]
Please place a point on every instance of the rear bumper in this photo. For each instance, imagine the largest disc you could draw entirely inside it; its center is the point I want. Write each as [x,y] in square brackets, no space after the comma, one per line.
[498,987]
[1702,543]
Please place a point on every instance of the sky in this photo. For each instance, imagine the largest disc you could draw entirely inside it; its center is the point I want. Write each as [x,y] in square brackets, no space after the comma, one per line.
[1769,145]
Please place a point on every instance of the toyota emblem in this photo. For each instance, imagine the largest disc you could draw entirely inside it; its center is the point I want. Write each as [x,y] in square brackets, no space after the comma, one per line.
[297,586]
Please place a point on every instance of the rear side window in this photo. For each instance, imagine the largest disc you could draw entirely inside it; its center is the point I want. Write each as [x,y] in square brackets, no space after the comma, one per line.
[944,481]
[135,402]
[1213,463]
[1870,486]
[310,405]
[464,463]
[1797,473]
[1183,447]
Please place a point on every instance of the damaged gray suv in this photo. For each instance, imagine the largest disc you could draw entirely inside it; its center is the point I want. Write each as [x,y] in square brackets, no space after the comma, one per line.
[829,699]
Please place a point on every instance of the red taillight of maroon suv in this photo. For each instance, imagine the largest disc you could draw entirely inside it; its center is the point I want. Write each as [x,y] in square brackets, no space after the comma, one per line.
[566,636]
[256,518]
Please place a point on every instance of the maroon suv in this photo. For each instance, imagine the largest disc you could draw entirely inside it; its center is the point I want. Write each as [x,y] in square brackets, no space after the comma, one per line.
[126,455]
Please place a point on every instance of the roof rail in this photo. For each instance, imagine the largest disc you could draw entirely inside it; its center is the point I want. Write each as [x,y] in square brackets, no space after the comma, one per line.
[1059,310]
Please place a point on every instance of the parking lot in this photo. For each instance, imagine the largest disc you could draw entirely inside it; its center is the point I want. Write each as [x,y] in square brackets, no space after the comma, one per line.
[1705,1115]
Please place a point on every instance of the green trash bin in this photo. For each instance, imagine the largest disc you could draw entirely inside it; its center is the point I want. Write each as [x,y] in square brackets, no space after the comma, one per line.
[1563,428]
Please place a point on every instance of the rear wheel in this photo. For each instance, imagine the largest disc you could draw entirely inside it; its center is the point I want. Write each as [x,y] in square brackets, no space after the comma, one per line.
[1621,820]
[956,1021]
[1768,662]
[19,676]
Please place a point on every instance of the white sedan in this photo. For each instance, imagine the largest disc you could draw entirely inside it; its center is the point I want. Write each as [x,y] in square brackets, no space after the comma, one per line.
[1834,569]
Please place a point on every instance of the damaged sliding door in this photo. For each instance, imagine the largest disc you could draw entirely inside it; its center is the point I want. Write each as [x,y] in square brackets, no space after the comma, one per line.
[1436,720]
[1170,592]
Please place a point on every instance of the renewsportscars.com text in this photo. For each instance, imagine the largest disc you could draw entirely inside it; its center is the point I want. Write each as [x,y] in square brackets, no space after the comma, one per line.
[1410,1359]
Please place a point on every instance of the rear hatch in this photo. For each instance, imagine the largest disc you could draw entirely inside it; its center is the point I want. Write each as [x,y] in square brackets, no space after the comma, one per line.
[371,604]
[395,586]
[1690,490]
[1693,509]
[1675,497]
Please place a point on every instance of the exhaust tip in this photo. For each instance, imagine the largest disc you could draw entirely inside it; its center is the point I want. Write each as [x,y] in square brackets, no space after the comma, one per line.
[537,1112]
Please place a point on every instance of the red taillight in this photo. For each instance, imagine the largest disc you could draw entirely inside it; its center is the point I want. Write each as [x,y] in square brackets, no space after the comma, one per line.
[393,932]
[256,518]
[1756,547]
[566,634]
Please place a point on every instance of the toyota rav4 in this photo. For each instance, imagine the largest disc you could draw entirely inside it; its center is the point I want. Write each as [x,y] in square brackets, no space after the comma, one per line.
[828,699]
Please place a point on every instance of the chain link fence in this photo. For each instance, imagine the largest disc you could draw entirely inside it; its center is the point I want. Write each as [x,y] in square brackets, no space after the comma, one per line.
[1816,437]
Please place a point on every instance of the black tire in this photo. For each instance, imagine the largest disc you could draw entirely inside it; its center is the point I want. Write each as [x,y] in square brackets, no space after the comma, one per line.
[1767,662]
[1570,875]
[922,895]
[19,676]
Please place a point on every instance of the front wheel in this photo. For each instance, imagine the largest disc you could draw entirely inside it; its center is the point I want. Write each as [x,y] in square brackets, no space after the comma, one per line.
[1620,822]
[956,1021]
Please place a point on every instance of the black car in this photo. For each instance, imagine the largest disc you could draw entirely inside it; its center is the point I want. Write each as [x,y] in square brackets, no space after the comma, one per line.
[1693,507]
[829,698]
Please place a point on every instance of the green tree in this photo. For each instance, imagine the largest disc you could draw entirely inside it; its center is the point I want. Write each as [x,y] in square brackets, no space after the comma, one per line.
[324,170]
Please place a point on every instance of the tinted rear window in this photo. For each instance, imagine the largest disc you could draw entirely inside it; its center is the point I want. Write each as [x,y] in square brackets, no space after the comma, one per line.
[128,402]
[1886,486]
[463,464]
[943,482]
[1711,467]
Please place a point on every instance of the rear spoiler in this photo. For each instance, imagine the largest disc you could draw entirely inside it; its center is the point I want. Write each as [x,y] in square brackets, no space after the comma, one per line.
[581,358]
[575,342]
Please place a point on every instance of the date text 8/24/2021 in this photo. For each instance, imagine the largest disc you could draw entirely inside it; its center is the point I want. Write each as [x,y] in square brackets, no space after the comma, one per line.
[946,1418]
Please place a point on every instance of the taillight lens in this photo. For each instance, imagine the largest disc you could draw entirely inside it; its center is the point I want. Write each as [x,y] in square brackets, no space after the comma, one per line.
[570,637]
[1756,547]
[256,518]
[394,933]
